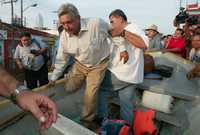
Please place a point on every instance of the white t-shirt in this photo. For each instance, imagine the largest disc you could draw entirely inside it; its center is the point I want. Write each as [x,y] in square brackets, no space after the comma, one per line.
[133,70]
[29,61]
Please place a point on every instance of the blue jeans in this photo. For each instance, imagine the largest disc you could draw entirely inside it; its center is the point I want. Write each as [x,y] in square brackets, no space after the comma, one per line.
[126,93]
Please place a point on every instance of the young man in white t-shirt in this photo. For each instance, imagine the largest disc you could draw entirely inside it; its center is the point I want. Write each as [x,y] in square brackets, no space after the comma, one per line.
[123,74]
[29,57]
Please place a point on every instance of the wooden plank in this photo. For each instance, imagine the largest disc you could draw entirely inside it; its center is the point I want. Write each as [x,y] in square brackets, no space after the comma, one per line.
[65,126]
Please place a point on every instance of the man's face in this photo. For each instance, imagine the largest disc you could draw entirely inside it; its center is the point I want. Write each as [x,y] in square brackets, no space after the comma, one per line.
[151,33]
[178,34]
[25,41]
[71,25]
[116,22]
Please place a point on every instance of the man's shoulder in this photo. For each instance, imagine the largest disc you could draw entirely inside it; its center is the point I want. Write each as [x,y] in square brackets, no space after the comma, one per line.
[131,26]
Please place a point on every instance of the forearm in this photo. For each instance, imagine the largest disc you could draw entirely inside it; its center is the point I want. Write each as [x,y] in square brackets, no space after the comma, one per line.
[42,50]
[175,50]
[135,40]
[60,65]
[7,83]
[18,62]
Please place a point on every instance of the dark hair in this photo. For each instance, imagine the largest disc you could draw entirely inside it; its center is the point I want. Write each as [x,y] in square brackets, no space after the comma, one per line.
[163,37]
[118,12]
[25,34]
[181,30]
[196,34]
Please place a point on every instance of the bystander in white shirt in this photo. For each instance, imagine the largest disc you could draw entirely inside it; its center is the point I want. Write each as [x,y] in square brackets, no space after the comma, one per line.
[133,70]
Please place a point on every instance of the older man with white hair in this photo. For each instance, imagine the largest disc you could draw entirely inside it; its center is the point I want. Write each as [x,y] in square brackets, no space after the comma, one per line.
[86,40]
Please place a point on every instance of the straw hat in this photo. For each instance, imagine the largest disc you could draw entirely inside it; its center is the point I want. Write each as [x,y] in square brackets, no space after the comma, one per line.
[153,27]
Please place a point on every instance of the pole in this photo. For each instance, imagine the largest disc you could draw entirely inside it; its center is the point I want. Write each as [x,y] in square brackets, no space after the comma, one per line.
[22,13]
[12,12]
[12,8]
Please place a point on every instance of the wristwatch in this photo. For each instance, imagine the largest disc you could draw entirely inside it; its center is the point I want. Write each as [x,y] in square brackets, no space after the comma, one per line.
[123,33]
[17,91]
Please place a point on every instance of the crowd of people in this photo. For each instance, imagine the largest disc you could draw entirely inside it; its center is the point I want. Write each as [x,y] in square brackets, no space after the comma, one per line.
[108,58]
[184,42]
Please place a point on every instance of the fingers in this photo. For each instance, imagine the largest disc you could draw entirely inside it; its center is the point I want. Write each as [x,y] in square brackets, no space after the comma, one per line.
[37,113]
[126,59]
[47,110]
[49,119]
[52,107]
[124,56]
[51,83]
[41,107]
[44,110]
[189,76]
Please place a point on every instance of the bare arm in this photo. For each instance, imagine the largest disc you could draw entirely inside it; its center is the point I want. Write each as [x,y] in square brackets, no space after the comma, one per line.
[176,50]
[135,40]
[19,63]
[7,83]
[42,108]
[42,51]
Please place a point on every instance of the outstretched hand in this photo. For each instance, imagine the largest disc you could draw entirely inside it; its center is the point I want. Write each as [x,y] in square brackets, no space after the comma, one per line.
[124,56]
[42,108]
[51,83]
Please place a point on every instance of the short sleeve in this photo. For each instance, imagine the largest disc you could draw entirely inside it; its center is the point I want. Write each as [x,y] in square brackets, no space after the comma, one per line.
[133,28]
[17,52]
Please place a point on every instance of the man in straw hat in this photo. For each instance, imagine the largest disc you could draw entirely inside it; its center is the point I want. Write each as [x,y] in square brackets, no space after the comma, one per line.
[154,37]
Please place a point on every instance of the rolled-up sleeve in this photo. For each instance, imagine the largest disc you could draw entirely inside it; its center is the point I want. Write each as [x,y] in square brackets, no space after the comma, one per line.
[61,63]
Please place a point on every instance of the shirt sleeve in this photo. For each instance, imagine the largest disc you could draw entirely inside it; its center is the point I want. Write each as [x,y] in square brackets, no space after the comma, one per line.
[133,28]
[17,52]
[61,62]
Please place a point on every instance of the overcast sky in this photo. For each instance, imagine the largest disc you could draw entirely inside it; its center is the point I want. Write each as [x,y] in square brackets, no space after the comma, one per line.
[143,12]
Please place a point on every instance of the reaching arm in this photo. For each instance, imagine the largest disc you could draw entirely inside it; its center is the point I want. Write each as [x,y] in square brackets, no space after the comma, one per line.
[135,40]
[42,108]
[19,63]
[60,62]
[175,50]
[134,35]
[7,83]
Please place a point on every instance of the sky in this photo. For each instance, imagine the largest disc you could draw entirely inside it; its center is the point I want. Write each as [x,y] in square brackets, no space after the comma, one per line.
[142,12]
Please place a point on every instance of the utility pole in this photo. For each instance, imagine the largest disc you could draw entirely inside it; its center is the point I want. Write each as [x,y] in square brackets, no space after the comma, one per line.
[21,13]
[12,8]
[12,12]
